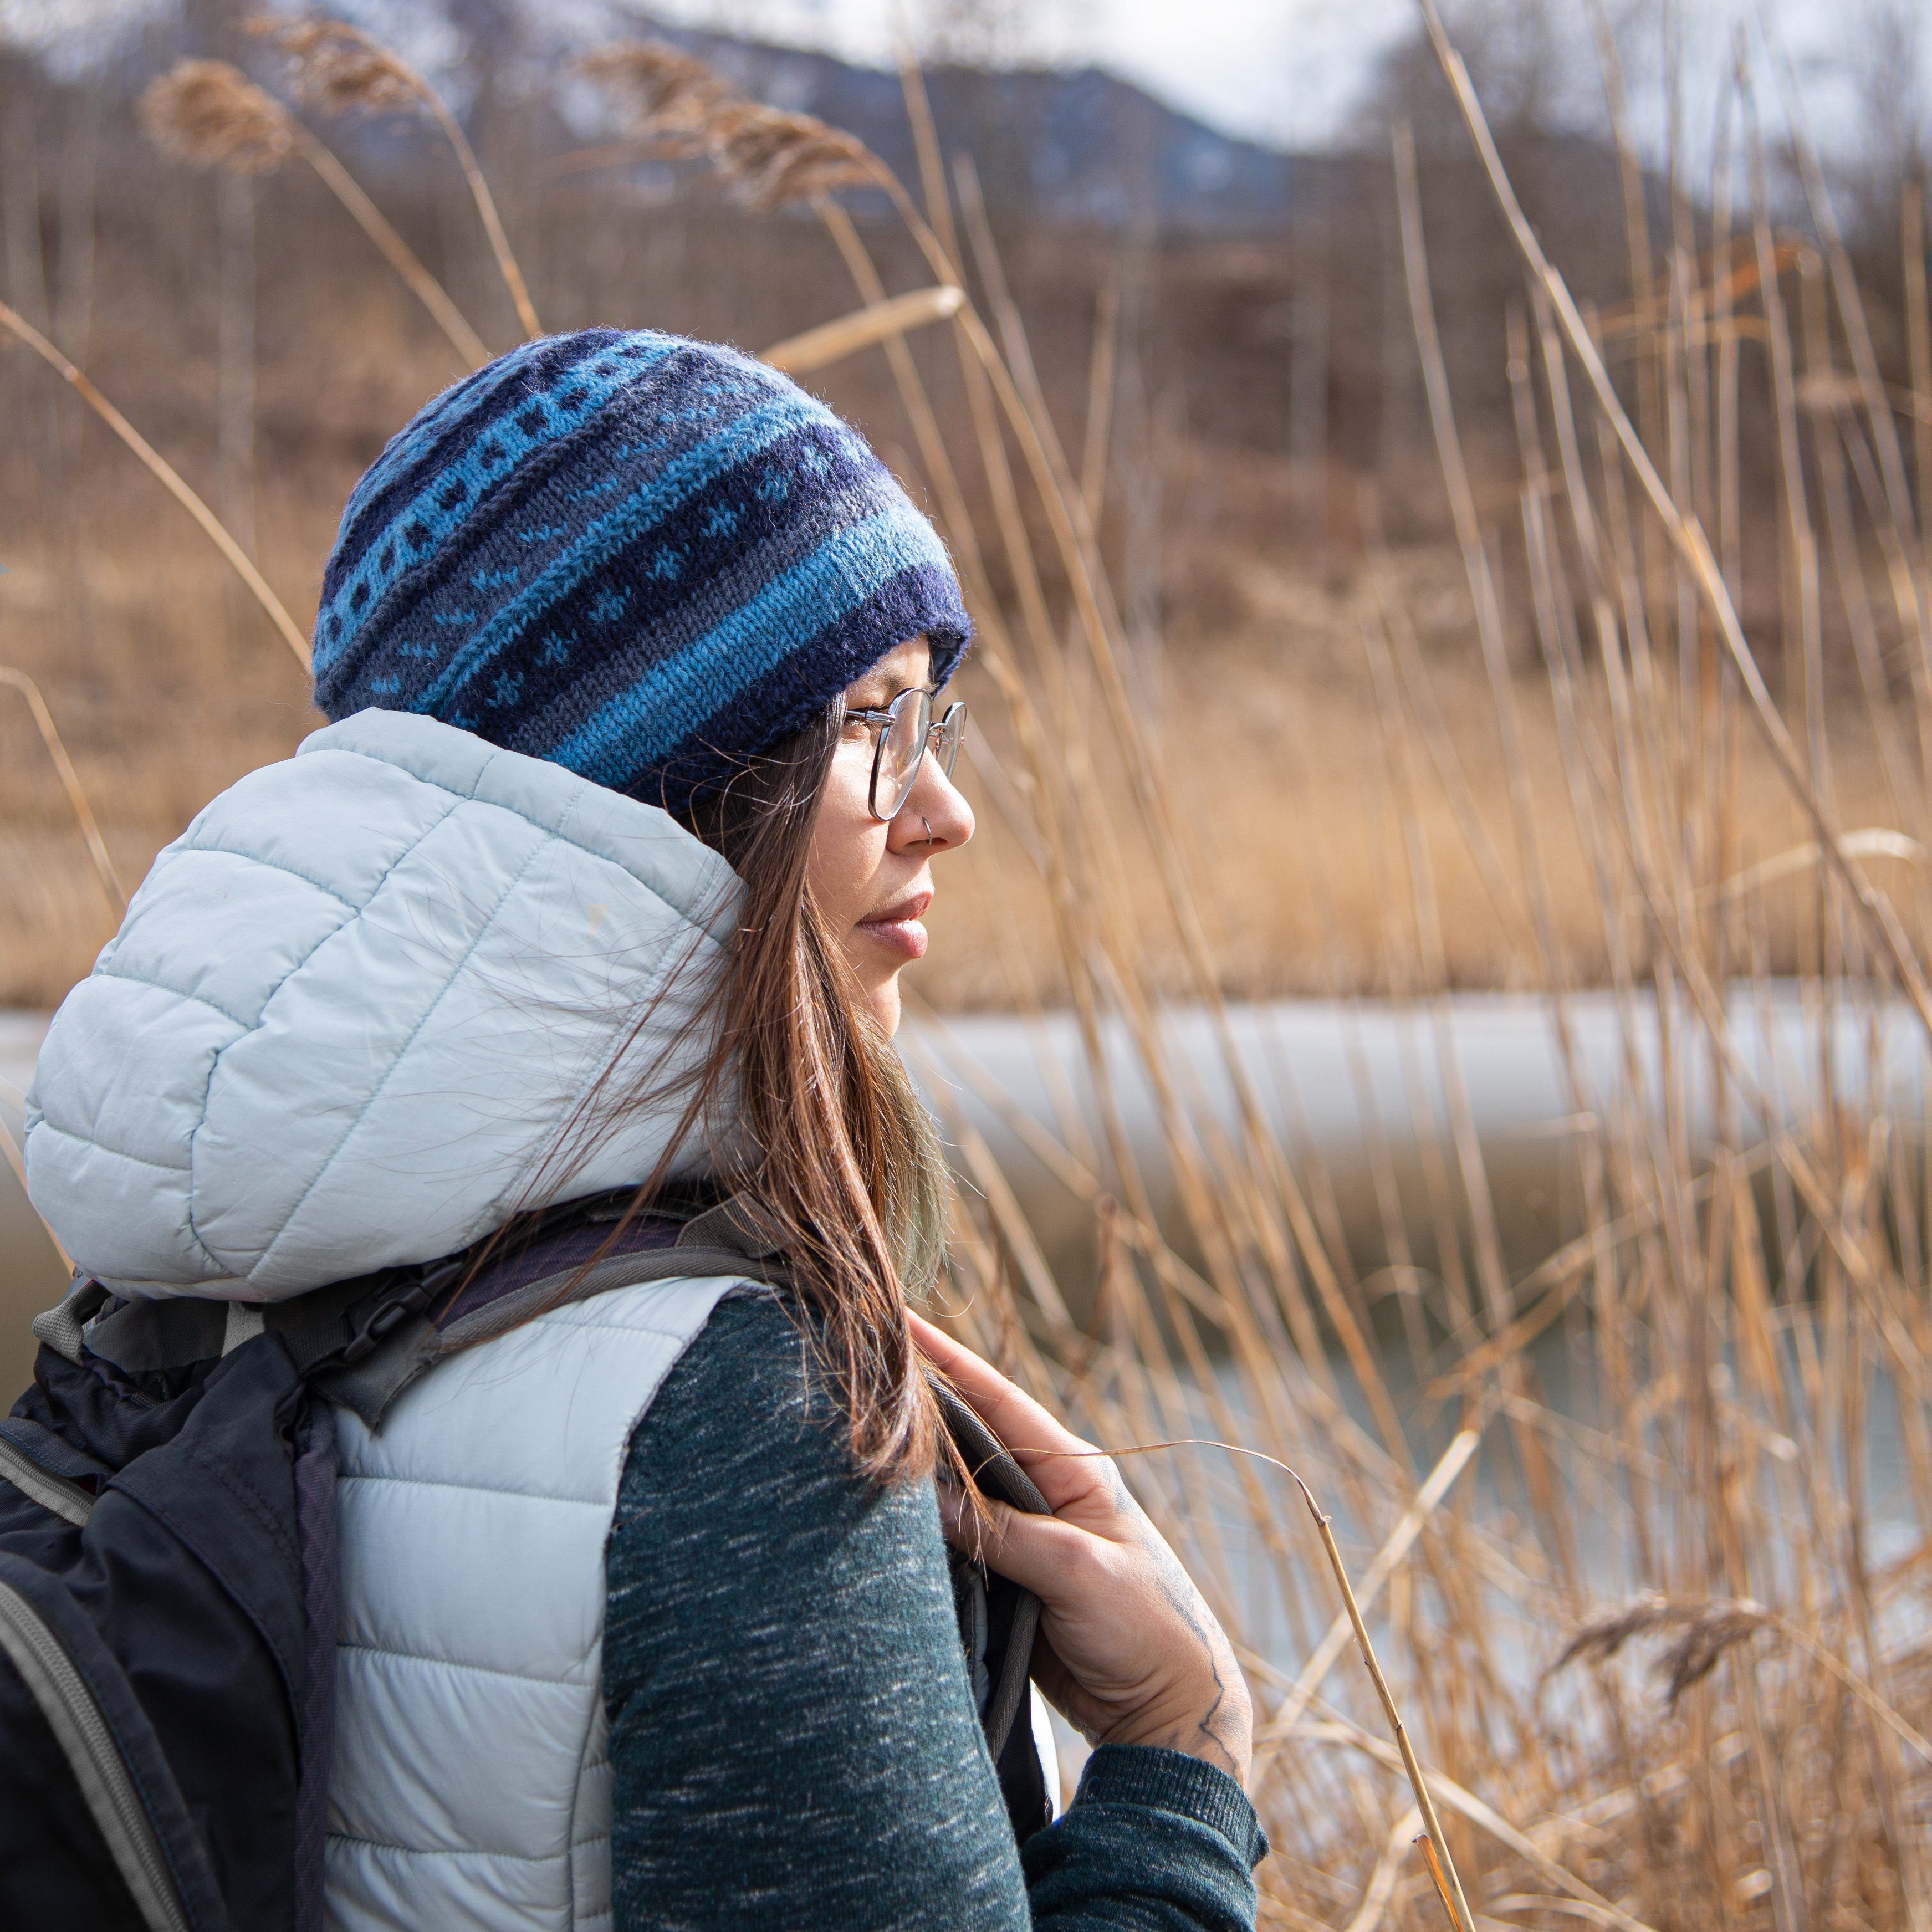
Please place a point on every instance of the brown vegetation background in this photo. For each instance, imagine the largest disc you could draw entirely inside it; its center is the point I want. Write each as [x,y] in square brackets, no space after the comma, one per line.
[1407,657]
[1261,409]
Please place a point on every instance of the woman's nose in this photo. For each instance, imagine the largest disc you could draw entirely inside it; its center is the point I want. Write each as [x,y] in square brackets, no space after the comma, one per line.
[935,813]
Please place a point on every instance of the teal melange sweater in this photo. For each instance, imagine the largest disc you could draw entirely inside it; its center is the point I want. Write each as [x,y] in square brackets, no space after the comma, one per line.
[791,1729]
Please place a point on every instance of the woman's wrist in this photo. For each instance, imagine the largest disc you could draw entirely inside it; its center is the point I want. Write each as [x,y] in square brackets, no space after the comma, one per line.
[1219,1729]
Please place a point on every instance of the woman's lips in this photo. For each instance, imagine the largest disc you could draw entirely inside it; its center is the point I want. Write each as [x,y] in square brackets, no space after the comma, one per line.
[897,928]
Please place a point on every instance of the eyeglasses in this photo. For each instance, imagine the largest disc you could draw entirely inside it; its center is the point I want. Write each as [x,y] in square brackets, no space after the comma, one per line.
[907,730]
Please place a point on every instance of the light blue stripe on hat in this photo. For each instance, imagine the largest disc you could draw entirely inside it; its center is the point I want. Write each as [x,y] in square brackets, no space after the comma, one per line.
[660,497]
[426,508]
[655,715]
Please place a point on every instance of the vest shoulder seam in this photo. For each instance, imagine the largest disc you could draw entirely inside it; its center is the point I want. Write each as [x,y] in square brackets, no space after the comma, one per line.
[480,1489]
[481,1670]
[449,1851]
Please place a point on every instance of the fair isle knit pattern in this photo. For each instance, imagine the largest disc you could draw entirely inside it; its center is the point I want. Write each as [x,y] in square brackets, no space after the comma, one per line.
[644,558]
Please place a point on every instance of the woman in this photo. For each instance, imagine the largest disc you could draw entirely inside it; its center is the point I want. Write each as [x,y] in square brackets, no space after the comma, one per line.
[598,890]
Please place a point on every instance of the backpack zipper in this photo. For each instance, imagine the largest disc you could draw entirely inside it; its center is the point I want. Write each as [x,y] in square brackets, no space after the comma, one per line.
[65,1499]
[75,1719]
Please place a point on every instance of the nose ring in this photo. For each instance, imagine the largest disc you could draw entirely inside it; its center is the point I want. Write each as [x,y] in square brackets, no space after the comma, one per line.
[927,823]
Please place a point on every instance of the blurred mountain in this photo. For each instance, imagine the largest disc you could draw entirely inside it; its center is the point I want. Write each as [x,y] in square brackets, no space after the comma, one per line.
[1076,145]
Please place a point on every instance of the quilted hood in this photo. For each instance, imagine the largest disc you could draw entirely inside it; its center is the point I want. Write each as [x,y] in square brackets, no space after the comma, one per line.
[356,1014]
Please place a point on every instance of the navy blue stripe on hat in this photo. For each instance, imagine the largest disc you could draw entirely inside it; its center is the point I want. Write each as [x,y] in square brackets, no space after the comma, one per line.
[447,494]
[439,433]
[724,541]
[641,511]
[712,750]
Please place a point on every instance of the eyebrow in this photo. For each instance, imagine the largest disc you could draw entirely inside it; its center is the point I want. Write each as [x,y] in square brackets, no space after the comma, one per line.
[931,690]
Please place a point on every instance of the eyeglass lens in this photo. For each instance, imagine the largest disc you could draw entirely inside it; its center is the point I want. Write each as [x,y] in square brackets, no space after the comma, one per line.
[901,745]
[952,730]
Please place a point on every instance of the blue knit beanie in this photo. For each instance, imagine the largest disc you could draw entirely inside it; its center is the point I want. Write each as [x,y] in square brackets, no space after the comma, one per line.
[644,558]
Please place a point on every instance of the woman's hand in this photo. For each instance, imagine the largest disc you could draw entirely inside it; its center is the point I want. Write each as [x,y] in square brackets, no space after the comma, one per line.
[1128,1651]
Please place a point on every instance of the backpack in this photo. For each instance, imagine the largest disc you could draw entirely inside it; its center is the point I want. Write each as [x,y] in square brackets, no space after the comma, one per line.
[168,1567]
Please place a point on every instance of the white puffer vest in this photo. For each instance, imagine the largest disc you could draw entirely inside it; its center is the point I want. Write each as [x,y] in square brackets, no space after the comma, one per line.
[471,1786]
[350,1020]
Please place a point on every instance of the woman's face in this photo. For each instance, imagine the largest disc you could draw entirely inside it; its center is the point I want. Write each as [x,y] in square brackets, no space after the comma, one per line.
[872,881]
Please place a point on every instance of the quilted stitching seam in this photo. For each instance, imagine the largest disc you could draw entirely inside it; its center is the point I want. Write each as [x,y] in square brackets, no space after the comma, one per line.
[448,1852]
[214,1065]
[450,979]
[554,1683]
[478,1489]
[220,851]
[177,993]
[558,831]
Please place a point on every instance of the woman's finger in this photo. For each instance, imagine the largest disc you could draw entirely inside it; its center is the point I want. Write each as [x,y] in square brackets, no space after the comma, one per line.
[1032,1433]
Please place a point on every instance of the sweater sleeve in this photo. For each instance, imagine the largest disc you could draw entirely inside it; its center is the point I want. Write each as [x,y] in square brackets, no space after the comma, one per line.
[792,1734]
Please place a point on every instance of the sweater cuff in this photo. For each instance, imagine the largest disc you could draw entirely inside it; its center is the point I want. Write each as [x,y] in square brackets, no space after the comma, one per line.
[1170,1781]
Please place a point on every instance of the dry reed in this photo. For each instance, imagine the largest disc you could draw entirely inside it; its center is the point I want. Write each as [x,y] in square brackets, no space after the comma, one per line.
[677,105]
[341,70]
[167,476]
[1739,1296]
[209,114]
[69,783]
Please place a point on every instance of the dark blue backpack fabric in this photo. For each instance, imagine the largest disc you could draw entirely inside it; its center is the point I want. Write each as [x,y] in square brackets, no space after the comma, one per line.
[196,1607]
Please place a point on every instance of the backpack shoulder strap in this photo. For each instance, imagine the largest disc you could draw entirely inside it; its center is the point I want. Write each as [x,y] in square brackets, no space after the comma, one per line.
[992,1464]
[731,1239]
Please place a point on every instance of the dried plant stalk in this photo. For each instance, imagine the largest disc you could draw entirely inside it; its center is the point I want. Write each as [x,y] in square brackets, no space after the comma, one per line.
[76,797]
[1919,338]
[211,115]
[1684,532]
[1437,1876]
[340,70]
[1402,1539]
[165,474]
[833,341]
[1461,1918]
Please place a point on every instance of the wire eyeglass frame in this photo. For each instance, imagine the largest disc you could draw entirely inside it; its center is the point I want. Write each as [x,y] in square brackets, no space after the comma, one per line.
[910,714]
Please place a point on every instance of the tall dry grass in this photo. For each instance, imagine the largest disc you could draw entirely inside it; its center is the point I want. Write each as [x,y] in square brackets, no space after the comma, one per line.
[1659,1640]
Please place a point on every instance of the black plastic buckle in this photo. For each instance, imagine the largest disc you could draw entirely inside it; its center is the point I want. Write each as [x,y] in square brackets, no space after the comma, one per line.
[382,1317]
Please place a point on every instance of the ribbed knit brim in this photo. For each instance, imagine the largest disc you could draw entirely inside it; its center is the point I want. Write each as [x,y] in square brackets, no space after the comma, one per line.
[644,558]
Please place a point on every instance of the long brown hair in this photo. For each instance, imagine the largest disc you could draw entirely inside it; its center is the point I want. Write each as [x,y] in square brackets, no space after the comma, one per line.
[781,1072]
[831,1140]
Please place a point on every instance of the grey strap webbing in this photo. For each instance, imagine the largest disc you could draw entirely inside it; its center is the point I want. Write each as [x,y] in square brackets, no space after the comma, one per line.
[993,1467]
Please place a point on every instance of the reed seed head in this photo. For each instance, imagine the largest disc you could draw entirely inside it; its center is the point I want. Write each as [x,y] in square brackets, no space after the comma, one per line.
[667,91]
[212,115]
[1702,1632]
[773,157]
[338,69]
[769,156]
